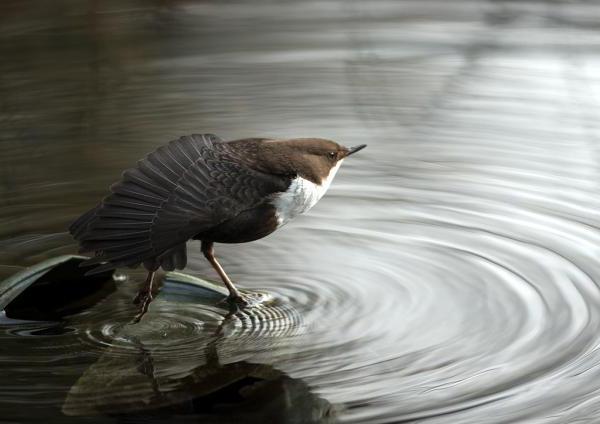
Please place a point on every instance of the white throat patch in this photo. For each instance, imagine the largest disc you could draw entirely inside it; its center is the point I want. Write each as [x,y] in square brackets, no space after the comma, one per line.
[300,196]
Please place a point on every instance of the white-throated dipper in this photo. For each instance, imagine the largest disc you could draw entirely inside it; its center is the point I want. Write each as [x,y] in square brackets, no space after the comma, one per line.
[201,187]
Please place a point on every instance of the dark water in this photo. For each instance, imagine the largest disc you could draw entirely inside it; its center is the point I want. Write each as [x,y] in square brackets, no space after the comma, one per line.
[450,274]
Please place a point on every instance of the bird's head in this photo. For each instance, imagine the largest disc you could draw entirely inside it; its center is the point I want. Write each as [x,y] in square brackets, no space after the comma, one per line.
[314,159]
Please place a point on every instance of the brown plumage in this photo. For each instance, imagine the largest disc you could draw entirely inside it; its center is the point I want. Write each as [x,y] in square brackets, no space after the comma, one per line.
[198,187]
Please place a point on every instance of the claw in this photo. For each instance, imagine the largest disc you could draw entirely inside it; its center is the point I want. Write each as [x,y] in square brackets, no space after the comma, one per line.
[234,303]
[239,301]
[143,299]
[143,296]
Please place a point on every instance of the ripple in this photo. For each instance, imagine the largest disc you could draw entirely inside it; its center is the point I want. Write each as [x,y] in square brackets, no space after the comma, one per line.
[471,308]
[452,272]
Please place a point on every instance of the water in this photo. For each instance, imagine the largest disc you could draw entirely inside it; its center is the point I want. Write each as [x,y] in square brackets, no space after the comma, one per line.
[449,275]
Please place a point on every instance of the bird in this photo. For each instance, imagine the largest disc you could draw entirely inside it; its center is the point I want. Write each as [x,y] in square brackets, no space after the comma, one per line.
[201,187]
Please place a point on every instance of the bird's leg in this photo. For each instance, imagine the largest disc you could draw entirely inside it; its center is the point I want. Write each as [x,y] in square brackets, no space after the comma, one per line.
[209,254]
[144,296]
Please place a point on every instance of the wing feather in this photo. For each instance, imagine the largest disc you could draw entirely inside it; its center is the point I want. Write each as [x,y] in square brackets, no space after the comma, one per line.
[179,190]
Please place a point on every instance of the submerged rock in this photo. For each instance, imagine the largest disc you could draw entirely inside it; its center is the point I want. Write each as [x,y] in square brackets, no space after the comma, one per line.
[181,361]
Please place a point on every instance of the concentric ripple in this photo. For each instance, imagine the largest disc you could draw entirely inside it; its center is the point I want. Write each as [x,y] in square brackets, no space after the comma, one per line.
[450,275]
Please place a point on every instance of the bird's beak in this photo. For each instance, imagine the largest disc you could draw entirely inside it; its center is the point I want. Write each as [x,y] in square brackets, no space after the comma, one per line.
[355,149]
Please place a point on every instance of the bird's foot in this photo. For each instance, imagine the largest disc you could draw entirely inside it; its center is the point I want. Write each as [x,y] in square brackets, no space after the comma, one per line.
[238,301]
[143,299]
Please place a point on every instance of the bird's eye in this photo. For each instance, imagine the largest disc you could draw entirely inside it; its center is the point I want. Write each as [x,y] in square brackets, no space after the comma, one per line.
[331,155]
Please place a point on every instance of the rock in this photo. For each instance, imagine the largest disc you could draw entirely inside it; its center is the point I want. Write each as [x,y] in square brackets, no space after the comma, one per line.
[53,289]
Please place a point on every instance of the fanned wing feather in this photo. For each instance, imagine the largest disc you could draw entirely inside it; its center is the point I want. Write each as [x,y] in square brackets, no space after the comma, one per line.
[176,192]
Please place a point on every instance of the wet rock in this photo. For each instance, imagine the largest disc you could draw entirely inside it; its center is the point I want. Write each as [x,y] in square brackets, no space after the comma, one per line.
[186,367]
[53,289]
[169,367]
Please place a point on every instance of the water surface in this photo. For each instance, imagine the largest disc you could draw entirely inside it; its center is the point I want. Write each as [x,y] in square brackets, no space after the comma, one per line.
[450,274]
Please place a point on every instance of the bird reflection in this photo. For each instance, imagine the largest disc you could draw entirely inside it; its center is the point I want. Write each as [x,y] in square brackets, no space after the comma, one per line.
[135,387]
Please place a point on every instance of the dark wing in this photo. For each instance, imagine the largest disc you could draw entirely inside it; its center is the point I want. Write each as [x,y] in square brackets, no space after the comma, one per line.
[181,189]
